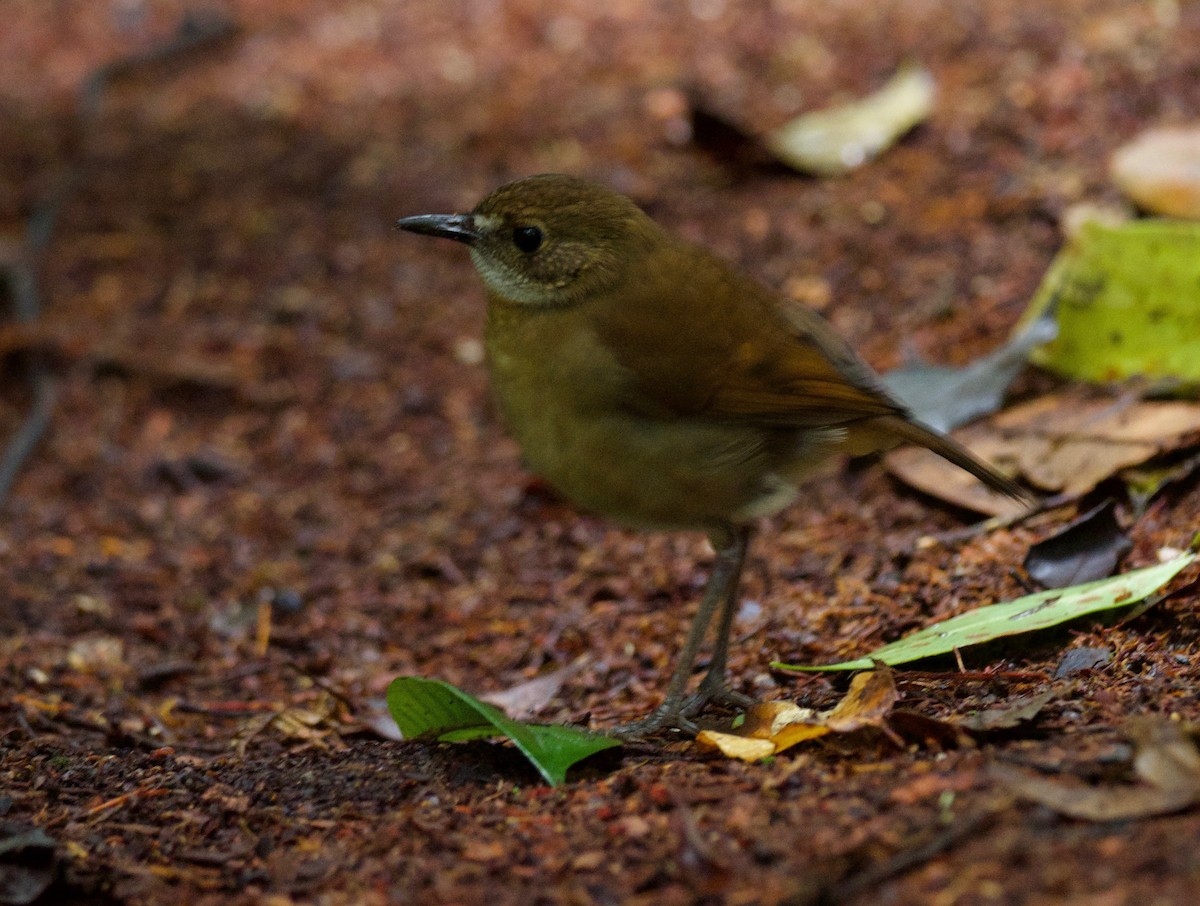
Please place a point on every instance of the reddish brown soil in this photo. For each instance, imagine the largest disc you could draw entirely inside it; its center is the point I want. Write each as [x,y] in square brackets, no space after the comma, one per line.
[269,407]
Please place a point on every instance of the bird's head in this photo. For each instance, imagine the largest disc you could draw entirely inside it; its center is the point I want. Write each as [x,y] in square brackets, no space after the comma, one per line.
[547,240]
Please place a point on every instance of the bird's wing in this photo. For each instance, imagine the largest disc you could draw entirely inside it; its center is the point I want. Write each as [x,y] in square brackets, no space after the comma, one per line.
[717,345]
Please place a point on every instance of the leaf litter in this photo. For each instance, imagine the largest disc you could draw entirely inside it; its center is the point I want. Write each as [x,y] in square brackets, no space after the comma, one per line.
[1165,759]
[1063,443]
[829,142]
[1159,169]
[837,140]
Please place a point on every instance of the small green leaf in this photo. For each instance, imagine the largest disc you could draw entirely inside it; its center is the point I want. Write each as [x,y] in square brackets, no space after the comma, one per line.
[1027,614]
[433,709]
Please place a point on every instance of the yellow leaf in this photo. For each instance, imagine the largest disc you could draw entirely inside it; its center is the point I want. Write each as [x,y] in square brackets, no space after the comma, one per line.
[733,746]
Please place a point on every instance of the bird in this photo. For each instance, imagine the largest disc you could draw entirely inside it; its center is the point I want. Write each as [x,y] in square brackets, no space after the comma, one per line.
[652,383]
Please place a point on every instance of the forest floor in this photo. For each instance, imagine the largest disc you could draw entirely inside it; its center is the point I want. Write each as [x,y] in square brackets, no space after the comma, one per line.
[273,478]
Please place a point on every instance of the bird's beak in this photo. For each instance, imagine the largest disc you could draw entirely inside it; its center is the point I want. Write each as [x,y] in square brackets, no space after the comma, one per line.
[460,227]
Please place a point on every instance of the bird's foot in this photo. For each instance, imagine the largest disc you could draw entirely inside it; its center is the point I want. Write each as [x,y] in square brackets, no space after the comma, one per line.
[668,716]
[714,691]
[678,715]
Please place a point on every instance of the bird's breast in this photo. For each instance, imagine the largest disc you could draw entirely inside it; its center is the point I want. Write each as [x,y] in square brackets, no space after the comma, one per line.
[565,399]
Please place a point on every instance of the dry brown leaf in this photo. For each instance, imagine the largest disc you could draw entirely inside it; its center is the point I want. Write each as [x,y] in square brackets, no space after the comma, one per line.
[522,701]
[772,727]
[1060,443]
[764,720]
[1009,714]
[1160,170]
[836,140]
[870,698]
[1166,754]
[317,724]
[1076,800]
[1166,758]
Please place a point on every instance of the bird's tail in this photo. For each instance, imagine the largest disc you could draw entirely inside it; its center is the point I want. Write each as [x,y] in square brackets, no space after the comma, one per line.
[950,449]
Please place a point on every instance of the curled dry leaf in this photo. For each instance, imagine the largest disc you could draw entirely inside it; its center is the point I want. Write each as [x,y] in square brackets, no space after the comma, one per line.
[772,727]
[318,724]
[1063,443]
[834,141]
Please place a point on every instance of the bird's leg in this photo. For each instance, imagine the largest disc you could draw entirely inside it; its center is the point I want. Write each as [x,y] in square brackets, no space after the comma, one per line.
[715,687]
[720,591]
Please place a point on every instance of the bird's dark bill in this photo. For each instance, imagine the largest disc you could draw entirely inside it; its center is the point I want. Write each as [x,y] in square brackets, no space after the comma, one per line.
[460,227]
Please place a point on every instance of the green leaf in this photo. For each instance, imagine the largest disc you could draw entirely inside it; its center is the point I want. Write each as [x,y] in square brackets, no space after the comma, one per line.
[1027,614]
[433,709]
[1125,300]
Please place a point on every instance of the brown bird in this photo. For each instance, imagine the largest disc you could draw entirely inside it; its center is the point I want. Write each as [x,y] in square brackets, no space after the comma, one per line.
[652,383]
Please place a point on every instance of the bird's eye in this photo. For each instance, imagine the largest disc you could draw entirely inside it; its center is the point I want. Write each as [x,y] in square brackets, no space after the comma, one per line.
[527,238]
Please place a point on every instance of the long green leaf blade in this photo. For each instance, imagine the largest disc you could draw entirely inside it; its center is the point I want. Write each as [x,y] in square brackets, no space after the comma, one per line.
[1026,614]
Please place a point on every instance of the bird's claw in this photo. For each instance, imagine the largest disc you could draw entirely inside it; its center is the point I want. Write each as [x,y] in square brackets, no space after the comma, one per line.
[678,715]
[715,695]
[662,718]
[716,692]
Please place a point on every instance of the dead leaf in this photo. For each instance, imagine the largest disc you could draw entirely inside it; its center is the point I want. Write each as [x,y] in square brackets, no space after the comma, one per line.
[317,724]
[1160,170]
[839,139]
[827,142]
[945,398]
[1064,443]
[1086,549]
[733,746]
[1166,754]
[772,727]
[1079,659]
[1076,800]
[1166,759]
[1008,715]
[526,699]
[870,698]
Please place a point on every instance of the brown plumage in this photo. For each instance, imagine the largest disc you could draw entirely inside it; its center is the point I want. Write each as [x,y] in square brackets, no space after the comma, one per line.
[652,383]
